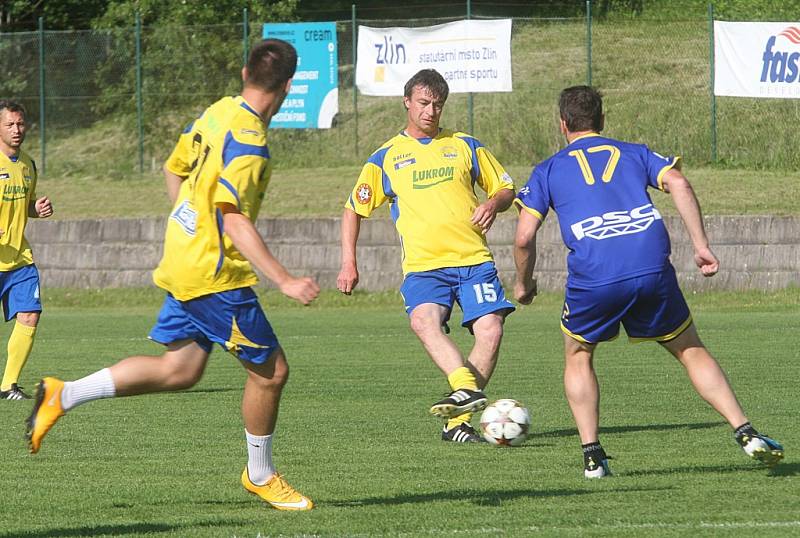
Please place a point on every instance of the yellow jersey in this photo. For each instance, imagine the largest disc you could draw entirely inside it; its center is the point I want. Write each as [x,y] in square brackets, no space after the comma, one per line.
[430,186]
[18,179]
[224,157]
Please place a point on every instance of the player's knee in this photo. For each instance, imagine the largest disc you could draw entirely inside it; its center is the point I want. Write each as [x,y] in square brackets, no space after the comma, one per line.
[271,375]
[178,376]
[423,324]
[489,330]
[31,319]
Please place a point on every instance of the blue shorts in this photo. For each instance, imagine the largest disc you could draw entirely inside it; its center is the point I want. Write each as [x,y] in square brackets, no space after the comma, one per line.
[233,319]
[19,289]
[476,288]
[650,307]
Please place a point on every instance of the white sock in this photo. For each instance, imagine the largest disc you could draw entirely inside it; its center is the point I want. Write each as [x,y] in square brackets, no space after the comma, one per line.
[92,387]
[259,458]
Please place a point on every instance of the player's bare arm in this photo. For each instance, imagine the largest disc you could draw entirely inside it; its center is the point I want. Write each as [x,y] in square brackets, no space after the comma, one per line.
[41,208]
[525,288]
[173,182]
[675,183]
[248,241]
[348,275]
[486,213]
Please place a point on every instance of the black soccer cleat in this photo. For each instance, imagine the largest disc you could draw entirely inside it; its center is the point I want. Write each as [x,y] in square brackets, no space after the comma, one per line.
[596,469]
[463,433]
[459,402]
[14,393]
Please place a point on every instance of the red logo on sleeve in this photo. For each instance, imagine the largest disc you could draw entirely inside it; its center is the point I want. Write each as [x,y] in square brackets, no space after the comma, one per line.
[364,194]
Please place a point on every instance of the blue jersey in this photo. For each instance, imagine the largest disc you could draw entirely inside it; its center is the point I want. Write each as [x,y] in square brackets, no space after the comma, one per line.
[598,188]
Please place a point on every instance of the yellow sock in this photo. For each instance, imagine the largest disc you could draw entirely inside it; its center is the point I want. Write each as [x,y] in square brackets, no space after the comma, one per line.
[462,378]
[19,348]
[457,421]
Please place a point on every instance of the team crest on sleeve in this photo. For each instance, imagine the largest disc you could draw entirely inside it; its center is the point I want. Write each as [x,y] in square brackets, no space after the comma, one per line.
[364,194]
[505,178]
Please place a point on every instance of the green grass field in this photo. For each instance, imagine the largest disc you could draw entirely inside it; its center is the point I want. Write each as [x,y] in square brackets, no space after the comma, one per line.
[354,433]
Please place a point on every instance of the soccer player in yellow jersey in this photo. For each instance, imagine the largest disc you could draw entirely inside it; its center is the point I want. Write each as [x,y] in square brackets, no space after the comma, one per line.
[216,178]
[19,278]
[428,176]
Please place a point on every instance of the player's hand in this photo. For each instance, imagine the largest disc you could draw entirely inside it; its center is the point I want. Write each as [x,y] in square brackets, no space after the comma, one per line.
[303,289]
[347,279]
[706,261]
[43,206]
[525,292]
[484,215]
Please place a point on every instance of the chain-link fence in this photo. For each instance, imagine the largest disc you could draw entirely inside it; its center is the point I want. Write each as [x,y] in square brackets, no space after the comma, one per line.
[109,103]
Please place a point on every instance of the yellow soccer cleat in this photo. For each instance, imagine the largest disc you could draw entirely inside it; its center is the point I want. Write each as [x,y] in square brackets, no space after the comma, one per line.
[278,493]
[46,411]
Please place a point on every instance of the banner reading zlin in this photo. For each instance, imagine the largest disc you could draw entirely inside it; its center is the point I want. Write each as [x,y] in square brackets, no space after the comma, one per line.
[473,56]
[757,59]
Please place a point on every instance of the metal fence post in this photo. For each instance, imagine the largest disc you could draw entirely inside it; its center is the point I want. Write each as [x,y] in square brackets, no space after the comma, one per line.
[355,88]
[711,78]
[42,138]
[245,36]
[470,95]
[139,104]
[588,42]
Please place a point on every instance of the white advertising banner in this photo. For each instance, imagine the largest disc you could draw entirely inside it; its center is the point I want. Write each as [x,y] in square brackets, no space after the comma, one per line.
[473,56]
[757,59]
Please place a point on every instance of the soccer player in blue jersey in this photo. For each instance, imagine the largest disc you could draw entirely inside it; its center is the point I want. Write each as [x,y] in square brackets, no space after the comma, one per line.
[19,278]
[216,178]
[428,176]
[618,266]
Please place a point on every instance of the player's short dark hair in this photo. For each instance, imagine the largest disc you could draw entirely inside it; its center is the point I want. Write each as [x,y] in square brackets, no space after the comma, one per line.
[581,108]
[431,80]
[12,106]
[271,63]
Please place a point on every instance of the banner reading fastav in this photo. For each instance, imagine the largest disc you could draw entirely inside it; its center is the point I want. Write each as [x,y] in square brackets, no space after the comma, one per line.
[472,55]
[757,59]
[313,99]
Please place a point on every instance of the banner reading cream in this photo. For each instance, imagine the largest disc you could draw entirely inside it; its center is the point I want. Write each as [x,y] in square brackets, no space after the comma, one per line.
[473,56]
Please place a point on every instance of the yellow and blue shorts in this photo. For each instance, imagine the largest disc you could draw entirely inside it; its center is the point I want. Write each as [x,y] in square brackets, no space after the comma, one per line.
[19,289]
[476,288]
[650,307]
[233,319]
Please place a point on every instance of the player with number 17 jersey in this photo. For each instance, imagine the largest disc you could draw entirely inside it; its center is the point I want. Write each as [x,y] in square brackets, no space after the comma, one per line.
[598,188]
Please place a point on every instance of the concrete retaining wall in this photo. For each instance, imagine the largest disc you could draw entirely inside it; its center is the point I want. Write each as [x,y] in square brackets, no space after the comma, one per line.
[755,252]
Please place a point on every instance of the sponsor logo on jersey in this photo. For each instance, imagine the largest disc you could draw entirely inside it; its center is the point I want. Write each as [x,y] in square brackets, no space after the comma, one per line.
[249,132]
[401,157]
[403,164]
[782,65]
[505,178]
[616,223]
[423,179]
[5,175]
[449,152]
[15,192]
[186,217]
[364,194]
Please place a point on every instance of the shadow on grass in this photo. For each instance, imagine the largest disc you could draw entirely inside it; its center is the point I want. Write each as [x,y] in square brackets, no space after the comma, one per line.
[785,469]
[637,428]
[117,530]
[747,467]
[210,389]
[481,498]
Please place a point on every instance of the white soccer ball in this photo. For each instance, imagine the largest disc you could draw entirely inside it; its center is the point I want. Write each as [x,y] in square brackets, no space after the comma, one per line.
[505,423]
